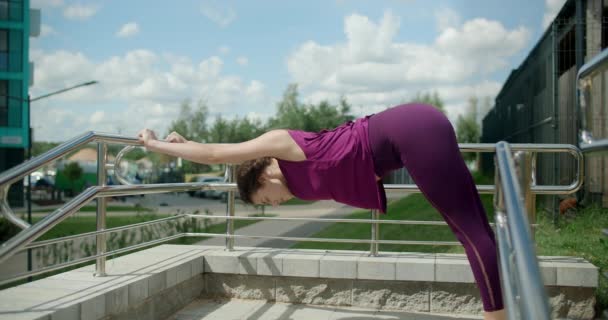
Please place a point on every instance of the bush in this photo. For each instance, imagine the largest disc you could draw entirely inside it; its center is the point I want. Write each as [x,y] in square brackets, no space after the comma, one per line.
[7,230]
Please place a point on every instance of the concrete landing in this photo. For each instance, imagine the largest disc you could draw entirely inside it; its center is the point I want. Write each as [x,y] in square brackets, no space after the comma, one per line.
[204,309]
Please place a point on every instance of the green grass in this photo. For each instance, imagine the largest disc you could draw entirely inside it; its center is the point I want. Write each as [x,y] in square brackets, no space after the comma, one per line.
[296,201]
[290,202]
[580,236]
[412,207]
[94,209]
[219,228]
[82,224]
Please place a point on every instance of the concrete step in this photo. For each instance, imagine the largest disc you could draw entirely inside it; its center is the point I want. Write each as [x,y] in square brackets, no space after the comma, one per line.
[204,309]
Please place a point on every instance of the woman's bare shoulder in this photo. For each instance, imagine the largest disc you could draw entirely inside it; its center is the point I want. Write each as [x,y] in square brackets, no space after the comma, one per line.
[290,150]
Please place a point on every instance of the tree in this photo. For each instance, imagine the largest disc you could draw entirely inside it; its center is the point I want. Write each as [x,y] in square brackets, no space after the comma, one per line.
[197,125]
[73,172]
[247,129]
[192,125]
[431,98]
[219,131]
[467,128]
[292,114]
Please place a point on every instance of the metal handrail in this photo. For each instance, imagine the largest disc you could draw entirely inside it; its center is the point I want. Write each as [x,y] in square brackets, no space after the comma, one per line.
[532,148]
[18,172]
[588,144]
[24,240]
[14,174]
[599,60]
[595,146]
[515,245]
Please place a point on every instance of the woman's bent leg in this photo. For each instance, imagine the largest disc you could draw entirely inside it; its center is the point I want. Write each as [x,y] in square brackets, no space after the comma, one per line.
[426,143]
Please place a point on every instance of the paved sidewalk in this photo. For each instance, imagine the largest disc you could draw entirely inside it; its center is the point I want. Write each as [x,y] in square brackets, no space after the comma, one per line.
[320,209]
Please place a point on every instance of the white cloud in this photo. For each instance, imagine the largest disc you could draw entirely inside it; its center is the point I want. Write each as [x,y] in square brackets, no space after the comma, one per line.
[97,117]
[485,41]
[222,16]
[447,18]
[242,61]
[137,89]
[46,30]
[552,8]
[374,70]
[46,3]
[80,11]
[224,50]
[128,30]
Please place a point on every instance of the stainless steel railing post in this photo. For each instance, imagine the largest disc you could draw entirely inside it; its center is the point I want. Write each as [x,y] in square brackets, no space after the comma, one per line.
[524,162]
[373,247]
[532,201]
[530,296]
[230,174]
[100,266]
[505,249]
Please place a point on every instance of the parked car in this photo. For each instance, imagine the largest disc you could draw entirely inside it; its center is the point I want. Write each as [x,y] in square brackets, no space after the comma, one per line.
[206,193]
[216,194]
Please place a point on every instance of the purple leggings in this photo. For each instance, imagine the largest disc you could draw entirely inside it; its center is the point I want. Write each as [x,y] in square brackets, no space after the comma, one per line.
[421,139]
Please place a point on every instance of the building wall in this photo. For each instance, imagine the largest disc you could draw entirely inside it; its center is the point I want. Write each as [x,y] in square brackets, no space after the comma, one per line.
[14,80]
[537,103]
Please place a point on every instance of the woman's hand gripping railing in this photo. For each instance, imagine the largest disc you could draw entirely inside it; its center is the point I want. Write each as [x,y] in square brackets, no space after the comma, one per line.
[523,289]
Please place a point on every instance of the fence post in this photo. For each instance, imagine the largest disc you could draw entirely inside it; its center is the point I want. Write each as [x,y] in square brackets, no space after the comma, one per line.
[229,177]
[373,248]
[100,266]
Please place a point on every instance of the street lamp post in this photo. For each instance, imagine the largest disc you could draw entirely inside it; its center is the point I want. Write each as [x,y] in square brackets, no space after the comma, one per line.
[29,150]
[63,90]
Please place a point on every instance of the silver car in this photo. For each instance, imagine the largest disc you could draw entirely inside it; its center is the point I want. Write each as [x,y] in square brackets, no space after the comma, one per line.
[208,193]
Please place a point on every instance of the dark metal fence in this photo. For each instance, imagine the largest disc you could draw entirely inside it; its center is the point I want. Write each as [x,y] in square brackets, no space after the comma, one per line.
[538,101]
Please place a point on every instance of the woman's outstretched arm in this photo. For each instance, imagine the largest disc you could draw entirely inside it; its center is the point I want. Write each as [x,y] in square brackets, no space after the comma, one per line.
[275,143]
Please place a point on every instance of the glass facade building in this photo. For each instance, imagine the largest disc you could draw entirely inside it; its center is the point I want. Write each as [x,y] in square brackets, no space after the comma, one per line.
[14,83]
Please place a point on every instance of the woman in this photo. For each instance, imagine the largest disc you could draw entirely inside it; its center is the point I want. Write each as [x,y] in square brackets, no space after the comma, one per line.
[344,164]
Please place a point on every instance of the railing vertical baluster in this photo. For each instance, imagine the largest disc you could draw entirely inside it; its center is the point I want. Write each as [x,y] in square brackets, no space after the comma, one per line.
[524,161]
[230,209]
[532,200]
[100,267]
[373,248]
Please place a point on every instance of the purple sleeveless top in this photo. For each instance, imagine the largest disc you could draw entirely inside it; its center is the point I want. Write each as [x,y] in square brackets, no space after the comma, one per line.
[339,165]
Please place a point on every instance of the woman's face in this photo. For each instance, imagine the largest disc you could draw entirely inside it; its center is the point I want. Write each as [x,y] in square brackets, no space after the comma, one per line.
[272,192]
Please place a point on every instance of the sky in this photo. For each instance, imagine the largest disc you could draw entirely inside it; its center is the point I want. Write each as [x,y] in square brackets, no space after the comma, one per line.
[149,56]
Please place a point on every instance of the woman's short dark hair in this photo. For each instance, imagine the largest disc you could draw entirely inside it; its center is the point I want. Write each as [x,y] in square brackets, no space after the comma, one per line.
[248,177]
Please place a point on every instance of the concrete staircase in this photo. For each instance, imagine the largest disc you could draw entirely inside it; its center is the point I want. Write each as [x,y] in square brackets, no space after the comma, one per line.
[198,282]
[205,309]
